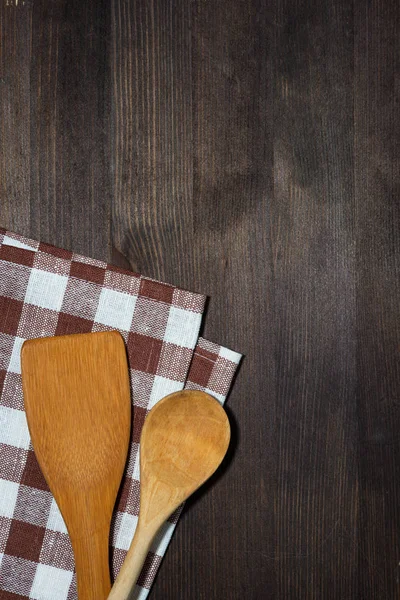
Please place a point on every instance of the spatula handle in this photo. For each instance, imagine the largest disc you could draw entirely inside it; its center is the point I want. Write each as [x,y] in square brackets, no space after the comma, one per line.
[133,563]
[91,555]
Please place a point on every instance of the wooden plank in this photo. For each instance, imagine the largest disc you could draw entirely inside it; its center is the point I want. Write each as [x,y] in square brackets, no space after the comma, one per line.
[15,57]
[233,190]
[377,179]
[55,166]
[152,141]
[314,287]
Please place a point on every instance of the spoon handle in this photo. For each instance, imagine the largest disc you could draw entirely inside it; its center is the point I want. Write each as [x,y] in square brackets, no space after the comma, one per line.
[133,563]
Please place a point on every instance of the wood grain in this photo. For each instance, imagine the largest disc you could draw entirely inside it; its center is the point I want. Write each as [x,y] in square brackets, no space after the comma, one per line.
[78,404]
[312,225]
[376,205]
[250,151]
[55,102]
[15,57]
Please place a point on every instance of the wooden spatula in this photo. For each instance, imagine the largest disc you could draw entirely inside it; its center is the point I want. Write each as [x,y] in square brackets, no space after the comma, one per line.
[78,408]
[184,439]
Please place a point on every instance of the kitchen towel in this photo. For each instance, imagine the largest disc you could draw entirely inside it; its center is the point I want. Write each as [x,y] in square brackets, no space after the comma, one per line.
[48,291]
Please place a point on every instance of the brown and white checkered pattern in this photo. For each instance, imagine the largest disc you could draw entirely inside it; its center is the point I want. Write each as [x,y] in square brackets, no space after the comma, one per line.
[47,291]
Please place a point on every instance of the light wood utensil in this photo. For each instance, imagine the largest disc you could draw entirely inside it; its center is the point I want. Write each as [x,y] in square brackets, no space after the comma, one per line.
[184,439]
[78,408]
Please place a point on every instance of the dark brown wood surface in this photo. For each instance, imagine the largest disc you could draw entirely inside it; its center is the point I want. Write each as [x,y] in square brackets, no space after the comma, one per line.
[250,151]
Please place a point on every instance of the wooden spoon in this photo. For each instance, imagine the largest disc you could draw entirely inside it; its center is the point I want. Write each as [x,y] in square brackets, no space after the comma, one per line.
[184,439]
[78,408]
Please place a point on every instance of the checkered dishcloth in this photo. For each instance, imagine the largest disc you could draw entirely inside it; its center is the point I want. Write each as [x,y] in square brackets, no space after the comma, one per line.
[47,291]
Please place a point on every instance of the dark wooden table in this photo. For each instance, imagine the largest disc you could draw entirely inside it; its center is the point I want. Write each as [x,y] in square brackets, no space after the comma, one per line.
[250,151]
